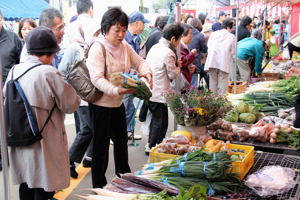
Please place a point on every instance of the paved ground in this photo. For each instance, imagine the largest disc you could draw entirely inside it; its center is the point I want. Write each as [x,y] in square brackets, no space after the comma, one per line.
[137,158]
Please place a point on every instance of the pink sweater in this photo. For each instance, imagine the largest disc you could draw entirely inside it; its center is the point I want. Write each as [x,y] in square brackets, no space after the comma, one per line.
[118,59]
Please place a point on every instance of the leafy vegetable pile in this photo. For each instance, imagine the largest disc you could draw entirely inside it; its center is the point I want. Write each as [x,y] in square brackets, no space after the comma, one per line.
[290,86]
[268,102]
[211,170]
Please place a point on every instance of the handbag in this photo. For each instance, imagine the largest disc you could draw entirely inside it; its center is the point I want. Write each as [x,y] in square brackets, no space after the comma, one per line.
[78,76]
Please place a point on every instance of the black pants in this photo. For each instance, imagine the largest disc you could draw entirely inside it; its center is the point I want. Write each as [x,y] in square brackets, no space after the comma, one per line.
[158,124]
[292,48]
[108,123]
[26,193]
[297,109]
[82,142]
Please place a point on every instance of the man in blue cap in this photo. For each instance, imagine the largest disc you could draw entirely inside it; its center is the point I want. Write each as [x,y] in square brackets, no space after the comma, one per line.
[135,27]
[218,25]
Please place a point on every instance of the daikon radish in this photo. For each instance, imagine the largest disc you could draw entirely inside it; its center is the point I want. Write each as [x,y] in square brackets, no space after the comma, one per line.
[108,193]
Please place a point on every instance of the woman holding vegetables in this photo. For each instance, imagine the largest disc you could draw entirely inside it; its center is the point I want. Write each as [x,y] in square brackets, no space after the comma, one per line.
[108,114]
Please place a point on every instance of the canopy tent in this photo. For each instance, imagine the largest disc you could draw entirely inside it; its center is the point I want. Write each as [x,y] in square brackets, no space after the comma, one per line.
[16,9]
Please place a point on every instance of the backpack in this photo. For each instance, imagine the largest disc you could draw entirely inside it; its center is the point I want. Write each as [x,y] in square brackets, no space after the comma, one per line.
[78,76]
[21,124]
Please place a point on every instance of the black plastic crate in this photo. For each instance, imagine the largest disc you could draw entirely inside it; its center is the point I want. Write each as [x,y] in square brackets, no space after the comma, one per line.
[279,148]
[265,159]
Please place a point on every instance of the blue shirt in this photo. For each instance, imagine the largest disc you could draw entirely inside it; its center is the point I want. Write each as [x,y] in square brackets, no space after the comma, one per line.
[251,48]
[134,41]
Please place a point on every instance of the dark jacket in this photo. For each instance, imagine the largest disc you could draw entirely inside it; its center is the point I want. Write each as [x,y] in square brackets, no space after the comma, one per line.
[187,58]
[216,26]
[153,38]
[10,49]
[198,43]
[243,32]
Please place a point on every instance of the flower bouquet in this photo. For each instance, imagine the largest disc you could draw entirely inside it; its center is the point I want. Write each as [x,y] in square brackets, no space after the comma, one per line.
[197,107]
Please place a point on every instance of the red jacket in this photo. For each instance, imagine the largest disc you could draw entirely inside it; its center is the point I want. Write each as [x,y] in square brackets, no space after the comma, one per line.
[187,58]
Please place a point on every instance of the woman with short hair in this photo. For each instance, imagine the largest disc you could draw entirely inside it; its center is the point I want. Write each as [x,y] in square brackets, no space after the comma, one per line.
[25,26]
[108,113]
[165,67]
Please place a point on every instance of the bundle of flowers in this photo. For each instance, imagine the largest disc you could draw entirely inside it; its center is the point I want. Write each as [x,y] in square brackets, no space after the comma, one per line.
[197,107]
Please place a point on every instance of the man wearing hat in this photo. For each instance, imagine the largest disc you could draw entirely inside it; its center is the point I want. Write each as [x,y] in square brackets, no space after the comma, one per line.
[135,28]
[218,25]
[43,167]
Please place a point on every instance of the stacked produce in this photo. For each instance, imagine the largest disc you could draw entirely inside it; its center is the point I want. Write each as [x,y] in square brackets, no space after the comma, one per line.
[290,86]
[207,169]
[287,114]
[268,102]
[181,142]
[173,148]
[224,130]
[243,113]
[196,192]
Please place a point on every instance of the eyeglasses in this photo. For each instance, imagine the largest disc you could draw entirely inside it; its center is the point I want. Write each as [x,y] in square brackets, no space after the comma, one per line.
[60,28]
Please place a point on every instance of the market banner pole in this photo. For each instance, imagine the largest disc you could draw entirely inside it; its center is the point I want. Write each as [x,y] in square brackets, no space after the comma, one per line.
[177,19]
[264,22]
[4,154]
[236,45]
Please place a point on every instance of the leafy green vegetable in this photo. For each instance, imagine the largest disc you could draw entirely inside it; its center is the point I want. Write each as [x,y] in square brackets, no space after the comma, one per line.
[248,118]
[232,116]
[195,192]
[242,107]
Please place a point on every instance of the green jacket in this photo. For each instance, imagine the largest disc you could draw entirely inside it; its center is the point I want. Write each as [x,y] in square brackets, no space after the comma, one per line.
[251,48]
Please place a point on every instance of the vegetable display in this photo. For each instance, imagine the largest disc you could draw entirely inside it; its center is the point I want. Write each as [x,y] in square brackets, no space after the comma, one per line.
[196,192]
[208,169]
[268,102]
[290,86]
[243,113]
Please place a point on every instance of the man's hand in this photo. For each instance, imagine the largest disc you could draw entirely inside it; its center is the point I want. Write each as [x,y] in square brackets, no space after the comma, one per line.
[148,76]
[126,91]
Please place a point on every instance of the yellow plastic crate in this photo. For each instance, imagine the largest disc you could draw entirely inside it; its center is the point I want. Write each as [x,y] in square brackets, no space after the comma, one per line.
[154,156]
[239,167]
[242,167]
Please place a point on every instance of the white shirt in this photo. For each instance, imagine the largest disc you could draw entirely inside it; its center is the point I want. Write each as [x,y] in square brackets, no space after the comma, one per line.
[221,51]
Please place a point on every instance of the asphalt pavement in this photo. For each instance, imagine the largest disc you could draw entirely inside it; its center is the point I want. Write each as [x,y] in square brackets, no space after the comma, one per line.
[137,158]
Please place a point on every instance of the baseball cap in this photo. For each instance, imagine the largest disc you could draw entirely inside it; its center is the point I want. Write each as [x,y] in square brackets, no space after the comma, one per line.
[41,40]
[137,16]
[222,13]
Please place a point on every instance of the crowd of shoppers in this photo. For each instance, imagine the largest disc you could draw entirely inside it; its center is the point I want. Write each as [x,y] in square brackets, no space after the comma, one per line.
[113,46]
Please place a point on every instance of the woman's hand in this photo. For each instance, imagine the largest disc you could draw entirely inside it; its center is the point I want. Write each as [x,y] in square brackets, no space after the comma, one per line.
[122,91]
[179,63]
[148,76]
[192,68]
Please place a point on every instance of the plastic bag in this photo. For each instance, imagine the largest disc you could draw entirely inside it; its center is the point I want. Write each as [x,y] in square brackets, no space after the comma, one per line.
[271,180]
[145,126]
[286,54]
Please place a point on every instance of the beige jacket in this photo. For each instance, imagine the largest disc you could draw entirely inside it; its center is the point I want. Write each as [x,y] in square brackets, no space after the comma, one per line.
[162,61]
[118,59]
[44,164]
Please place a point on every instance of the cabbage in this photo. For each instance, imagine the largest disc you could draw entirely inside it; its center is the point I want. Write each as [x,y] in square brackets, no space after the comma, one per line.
[232,116]
[242,107]
[254,111]
[248,118]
